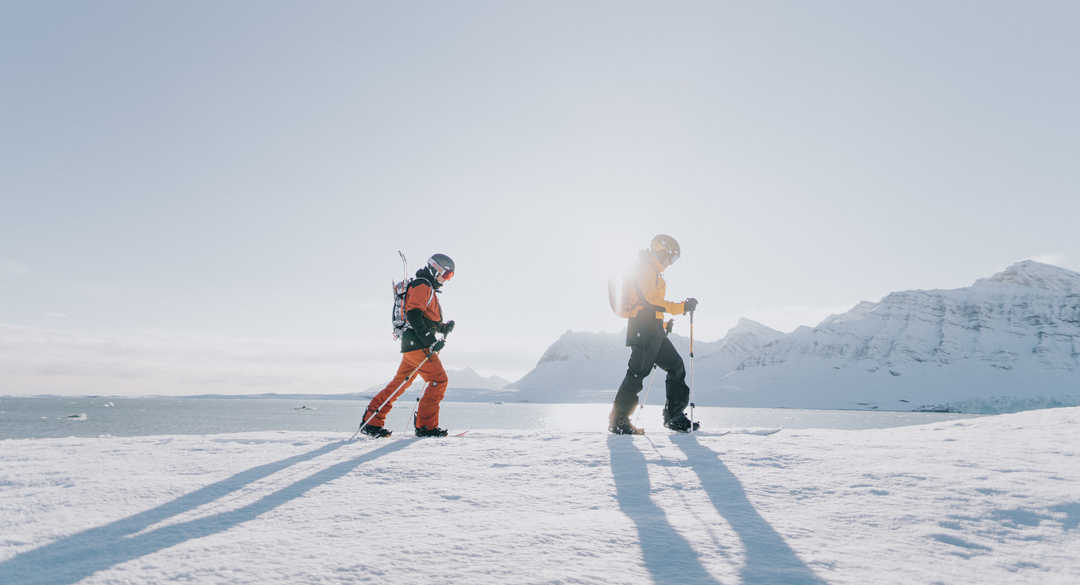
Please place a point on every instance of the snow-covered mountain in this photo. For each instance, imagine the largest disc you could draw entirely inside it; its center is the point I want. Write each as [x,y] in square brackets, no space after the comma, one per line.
[470,378]
[466,379]
[1006,342]
[742,341]
[582,366]
[467,385]
[579,366]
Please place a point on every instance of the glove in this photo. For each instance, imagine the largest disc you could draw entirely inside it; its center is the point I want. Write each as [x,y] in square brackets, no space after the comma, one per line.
[446,328]
[437,346]
[689,305]
[427,339]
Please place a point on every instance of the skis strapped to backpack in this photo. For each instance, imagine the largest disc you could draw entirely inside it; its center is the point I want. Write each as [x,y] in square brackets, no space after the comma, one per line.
[401,289]
[400,323]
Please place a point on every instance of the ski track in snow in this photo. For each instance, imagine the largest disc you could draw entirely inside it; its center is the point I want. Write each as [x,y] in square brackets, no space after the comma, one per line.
[989,500]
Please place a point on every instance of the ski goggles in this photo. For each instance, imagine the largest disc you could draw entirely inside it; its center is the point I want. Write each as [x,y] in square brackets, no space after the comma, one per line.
[445,276]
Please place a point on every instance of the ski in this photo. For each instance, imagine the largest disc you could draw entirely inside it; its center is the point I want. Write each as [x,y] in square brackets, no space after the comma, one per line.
[758,432]
[707,433]
[755,432]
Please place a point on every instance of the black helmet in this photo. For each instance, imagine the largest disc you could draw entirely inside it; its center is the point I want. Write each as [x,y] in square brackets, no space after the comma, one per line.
[665,248]
[441,267]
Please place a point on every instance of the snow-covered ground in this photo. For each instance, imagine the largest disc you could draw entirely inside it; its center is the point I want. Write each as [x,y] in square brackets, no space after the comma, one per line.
[988,500]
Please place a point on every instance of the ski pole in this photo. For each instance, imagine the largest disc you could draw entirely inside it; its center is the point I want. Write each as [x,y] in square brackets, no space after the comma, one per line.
[691,370]
[407,380]
[645,397]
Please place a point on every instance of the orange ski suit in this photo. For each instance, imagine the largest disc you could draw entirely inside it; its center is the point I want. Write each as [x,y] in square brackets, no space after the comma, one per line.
[420,296]
[432,372]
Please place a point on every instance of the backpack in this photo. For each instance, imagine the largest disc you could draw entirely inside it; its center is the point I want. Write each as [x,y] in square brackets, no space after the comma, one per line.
[624,299]
[401,288]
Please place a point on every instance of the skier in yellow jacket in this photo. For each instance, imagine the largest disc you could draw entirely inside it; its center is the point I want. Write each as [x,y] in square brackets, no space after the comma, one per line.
[643,293]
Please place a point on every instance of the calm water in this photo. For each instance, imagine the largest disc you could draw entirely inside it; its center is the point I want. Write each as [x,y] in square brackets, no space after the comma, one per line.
[49,417]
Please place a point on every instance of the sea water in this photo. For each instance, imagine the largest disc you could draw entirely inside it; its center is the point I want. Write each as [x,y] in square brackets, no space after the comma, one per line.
[39,417]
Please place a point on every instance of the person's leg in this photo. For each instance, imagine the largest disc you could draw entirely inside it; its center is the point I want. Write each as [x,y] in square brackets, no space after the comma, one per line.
[427,415]
[642,357]
[678,393]
[409,362]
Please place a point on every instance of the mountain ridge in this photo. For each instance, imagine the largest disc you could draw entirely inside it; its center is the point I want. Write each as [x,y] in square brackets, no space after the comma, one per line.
[1012,335]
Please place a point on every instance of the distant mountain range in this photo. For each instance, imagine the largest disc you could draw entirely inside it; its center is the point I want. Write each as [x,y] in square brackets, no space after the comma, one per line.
[469,378]
[1007,342]
[466,385]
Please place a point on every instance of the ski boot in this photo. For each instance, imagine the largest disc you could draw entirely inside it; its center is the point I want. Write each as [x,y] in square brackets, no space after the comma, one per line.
[621,425]
[679,423]
[377,432]
[430,432]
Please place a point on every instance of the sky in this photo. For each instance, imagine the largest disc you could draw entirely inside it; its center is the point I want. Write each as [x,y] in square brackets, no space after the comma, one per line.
[209,197]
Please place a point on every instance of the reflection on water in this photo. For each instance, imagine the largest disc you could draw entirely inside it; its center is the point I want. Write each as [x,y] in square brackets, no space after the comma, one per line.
[61,417]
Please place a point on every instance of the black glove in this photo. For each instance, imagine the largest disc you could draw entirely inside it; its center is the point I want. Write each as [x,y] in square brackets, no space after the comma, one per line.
[427,339]
[689,305]
[437,346]
[446,328]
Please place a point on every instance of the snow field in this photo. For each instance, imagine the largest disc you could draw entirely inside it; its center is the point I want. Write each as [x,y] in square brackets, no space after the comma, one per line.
[989,500]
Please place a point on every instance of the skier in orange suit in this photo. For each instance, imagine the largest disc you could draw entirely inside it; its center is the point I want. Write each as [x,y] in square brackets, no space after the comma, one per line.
[418,343]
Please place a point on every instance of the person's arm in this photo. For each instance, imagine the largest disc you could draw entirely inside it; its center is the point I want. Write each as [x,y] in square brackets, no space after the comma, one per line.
[654,294]
[420,324]
[416,301]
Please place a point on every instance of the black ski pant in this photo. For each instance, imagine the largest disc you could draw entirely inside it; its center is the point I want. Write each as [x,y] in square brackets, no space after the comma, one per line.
[656,350]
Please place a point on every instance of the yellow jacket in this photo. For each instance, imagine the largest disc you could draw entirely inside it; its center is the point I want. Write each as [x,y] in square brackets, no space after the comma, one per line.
[652,286]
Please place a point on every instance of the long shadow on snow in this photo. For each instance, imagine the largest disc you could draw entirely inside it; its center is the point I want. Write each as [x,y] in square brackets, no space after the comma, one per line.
[80,555]
[668,556]
[769,559]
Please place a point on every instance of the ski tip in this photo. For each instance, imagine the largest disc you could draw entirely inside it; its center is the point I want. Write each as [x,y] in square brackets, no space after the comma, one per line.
[759,432]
